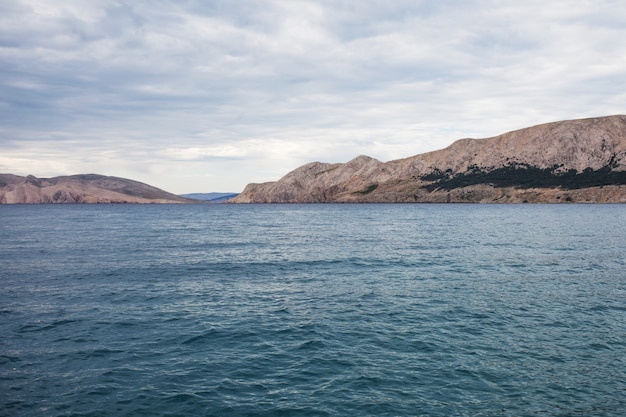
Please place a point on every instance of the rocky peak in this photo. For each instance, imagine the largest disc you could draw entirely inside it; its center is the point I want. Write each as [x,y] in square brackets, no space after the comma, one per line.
[88,188]
[565,155]
[575,144]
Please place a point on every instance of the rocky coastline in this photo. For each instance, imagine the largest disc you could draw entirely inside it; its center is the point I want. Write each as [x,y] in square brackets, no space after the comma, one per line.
[572,161]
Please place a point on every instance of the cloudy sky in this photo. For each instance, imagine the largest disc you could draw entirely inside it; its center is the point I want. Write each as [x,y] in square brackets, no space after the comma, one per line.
[209,95]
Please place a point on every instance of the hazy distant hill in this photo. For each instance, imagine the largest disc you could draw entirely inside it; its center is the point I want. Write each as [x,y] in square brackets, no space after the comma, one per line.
[88,188]
[211,197]
[574,160]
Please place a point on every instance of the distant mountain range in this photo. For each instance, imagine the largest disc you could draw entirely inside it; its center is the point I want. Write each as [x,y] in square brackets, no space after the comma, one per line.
[210,197]
[568,161]
[88,188]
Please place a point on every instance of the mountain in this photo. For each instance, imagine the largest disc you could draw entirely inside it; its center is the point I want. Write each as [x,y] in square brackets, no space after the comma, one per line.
[210,197]
[88,188]
[568,161]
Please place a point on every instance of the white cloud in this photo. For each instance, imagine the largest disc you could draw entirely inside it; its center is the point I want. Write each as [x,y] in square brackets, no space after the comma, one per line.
[243,92]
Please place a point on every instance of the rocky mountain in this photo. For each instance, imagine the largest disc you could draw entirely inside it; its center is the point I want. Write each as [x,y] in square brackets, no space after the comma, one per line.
[568,161]
[89,188]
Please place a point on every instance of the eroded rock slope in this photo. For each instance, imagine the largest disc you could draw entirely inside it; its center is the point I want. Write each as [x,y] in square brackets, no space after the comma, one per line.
[569,161]
[89,188]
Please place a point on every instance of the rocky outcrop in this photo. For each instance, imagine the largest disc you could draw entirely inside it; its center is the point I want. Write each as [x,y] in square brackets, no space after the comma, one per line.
[569,161]
[318,182]
[90,188]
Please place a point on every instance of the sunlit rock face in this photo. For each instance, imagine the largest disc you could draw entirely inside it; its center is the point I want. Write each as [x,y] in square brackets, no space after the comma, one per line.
[569,161]
[89,188]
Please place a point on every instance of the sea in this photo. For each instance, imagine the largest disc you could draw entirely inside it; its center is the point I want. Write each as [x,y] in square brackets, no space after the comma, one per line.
[313,310]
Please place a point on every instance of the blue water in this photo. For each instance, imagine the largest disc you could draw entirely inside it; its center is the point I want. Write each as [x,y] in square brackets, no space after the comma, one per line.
[313,310]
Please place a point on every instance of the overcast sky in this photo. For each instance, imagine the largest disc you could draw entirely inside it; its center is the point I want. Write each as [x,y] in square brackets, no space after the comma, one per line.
[209,95]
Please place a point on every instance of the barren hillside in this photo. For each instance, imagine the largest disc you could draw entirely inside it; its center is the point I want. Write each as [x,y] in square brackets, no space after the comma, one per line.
[569,161]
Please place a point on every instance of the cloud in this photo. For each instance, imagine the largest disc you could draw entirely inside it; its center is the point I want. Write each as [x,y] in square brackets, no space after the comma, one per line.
[238,92]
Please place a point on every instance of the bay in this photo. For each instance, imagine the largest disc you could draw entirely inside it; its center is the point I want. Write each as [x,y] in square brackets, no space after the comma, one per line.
[250,310]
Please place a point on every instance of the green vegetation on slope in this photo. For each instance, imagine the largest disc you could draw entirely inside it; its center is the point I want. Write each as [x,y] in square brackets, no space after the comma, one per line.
[525,176]
[368,190]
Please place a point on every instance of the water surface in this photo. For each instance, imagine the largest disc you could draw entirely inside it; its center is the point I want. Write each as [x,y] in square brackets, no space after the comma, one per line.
[313,310]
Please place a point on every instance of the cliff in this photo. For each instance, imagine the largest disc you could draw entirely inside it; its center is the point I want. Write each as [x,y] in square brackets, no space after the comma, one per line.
[90,188]
[568,161]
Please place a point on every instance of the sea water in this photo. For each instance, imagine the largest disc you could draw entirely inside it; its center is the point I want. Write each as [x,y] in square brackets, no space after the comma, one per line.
[313,310]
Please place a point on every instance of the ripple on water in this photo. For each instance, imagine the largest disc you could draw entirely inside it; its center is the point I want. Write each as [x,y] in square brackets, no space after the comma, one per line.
[313,310]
